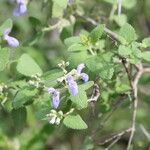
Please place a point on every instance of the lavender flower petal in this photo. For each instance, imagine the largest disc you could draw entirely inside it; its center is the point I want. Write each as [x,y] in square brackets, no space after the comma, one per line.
[56,99]
[84,77]
[51,90]
[80,68]
[20,9]
[13,42]
[72,85]
[7,31]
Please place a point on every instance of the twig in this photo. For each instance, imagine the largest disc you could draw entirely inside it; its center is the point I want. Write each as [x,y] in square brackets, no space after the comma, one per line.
[93,22]
[113,143]
[127,71]
[120,134]
[146,133]
[141,70]
[134,86]
[51,27]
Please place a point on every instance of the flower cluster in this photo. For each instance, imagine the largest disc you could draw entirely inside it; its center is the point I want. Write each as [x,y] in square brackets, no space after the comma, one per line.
[36,81]
[55,117]
[13,42]
[20,8]
[70,81]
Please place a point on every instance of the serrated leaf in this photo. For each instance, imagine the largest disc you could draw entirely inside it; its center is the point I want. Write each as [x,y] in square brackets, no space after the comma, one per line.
[71,40]
[58,8]
[27,66]
[101,65]
[42,106]
[121,87]
[107,72]
[6,25]
[146,56]
[19,118]
[77,47]
[80,100]
[146,42]
[96,33]
[86,86]
[120,20]
[74,121]
[50,78]
[4,58]
[128,33]
[24,96]
[124,50]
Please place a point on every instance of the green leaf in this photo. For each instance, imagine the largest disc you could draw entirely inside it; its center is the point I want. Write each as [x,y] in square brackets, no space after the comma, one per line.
[35,21]
[128,33]
[35,39]
[19,117]
[77,47]
[121,87]
[128,4]
[96,33]
[86,85]
[4,58]
[42,106]
[74,121]
[101,65]
[87,144]
[124,50]
[146,56]
[6,25]
[76,58]
[50,78]
[66,32]
[80,100]
[71,40]
[27,66]
[121,19]
[58,8]
[146,42]
[104,107]
[23,97]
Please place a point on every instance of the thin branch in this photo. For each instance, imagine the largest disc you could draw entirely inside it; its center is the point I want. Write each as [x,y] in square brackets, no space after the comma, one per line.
[120,134]
[135,102]
[51,27]
[113,143]
[146,70]
[93,22]
[128,72]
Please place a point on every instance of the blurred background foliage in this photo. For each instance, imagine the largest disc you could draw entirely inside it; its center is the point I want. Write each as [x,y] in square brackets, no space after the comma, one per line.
[48,49]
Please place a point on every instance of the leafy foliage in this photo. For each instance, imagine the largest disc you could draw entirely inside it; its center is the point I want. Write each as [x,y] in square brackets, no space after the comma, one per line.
[74,121]
[79,63]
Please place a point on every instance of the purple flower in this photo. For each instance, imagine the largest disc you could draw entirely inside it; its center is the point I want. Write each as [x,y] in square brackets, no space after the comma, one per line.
[55,97]
[13,42]
[80,68]
[72,85]
[84,77]
[20,9]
